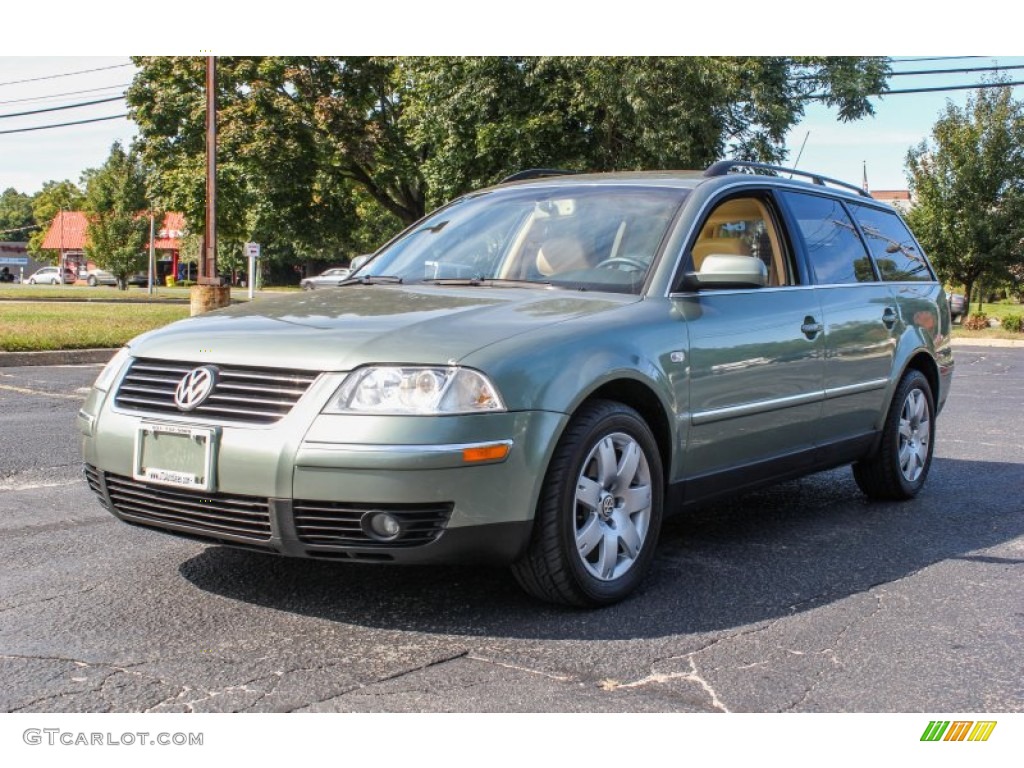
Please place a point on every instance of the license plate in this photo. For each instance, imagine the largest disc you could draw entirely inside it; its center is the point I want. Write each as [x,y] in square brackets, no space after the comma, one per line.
[171,454]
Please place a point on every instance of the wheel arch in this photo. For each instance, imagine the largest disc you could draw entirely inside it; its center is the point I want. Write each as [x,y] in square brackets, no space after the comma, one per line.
[923,362]
[643,399]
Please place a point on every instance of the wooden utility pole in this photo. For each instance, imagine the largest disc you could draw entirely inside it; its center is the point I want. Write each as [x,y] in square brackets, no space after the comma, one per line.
[208,262]
[210,293]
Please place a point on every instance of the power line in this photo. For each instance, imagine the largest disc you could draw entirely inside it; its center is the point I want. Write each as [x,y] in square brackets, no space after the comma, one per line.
[993,68]
[949,88]
[67,74]
[66,106]
[65,93]
[934,58]
[19,229]
[936,89]
[62,125]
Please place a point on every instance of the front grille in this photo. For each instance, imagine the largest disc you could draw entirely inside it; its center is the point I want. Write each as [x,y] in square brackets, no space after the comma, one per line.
[247,395]
[92,476]
[217,515]
[335,523]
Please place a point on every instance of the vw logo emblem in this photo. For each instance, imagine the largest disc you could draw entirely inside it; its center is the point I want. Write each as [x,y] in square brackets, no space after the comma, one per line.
[195,387]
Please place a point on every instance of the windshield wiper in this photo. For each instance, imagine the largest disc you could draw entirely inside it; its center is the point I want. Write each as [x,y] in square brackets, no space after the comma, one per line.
[498,282]
[372,280]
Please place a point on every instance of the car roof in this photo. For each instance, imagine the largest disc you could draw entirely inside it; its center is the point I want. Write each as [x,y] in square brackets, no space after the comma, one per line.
[690,180]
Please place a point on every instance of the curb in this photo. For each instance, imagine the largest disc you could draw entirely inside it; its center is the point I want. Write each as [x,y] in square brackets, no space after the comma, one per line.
[988,342]
[56,357]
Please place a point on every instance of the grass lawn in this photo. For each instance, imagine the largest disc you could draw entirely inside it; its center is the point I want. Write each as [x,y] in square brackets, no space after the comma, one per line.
[34,326]
[78,292]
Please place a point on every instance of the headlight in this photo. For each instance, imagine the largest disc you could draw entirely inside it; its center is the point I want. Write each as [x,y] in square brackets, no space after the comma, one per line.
[415,390]
[109,373]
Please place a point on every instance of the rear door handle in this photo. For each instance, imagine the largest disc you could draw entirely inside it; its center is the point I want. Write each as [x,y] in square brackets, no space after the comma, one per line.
[811,327]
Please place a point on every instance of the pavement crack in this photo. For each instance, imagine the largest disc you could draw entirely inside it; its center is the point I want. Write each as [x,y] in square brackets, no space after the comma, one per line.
[40,601]
[506,665]
[831,653]
[386,679]
[660,678]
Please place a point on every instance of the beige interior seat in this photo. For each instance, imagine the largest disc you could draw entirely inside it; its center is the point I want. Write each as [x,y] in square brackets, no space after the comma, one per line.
[705,246]
[561,254]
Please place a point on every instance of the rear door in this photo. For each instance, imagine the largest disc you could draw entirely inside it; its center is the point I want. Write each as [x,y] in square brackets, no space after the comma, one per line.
[859,312]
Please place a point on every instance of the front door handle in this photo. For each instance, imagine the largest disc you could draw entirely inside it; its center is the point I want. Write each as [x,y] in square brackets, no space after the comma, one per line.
[889,317]
[811,327]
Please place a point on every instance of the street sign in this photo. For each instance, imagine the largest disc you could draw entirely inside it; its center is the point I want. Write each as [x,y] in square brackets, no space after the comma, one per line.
[252,251]
[14,261]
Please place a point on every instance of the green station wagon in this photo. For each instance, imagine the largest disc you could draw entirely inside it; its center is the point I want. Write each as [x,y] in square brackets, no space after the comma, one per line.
[536,374]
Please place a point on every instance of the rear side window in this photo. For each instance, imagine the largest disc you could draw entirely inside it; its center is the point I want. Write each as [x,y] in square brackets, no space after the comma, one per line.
[834,248]
[892,245]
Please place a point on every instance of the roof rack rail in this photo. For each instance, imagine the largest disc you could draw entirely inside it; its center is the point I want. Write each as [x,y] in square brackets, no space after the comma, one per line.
[536,173]
[723,167]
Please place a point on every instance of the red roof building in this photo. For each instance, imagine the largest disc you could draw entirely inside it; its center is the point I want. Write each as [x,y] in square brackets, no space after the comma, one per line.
[67,231]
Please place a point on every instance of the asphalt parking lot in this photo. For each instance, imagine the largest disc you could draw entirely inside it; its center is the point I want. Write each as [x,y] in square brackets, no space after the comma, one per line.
[803,597]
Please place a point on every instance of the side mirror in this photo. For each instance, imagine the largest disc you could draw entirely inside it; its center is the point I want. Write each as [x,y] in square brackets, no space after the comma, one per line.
[357,262]
[725,270]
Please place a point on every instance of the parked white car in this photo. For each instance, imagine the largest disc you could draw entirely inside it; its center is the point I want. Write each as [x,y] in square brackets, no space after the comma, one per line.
[51,276]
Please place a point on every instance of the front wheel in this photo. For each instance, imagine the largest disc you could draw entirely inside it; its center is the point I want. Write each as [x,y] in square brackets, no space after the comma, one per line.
[599,512]
[898,468]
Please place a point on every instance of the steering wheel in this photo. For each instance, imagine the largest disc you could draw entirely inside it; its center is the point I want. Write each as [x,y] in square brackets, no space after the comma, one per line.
[617,262]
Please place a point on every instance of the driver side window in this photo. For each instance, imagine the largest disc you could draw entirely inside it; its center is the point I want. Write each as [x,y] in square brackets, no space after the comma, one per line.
[744,226]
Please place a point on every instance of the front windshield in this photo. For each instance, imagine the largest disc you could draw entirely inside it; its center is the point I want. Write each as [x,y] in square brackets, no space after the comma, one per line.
[586,237]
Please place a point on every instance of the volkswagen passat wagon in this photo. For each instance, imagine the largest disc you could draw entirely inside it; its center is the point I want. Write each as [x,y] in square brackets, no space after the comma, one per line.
[536,374]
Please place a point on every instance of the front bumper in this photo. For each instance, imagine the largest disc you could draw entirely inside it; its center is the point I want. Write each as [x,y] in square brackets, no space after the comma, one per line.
[296,489]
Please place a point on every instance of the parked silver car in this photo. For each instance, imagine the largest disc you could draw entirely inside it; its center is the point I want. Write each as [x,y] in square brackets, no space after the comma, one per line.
[329,277]
[97,276]
[536,374]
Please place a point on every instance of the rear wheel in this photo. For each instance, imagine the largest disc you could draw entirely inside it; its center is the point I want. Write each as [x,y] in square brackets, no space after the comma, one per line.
[600,510]
[899,467]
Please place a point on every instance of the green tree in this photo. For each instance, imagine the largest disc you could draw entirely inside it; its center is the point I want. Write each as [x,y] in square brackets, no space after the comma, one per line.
[15,215]
[55,196]
[968,185]
[474,120]
[327,155]
[115,200]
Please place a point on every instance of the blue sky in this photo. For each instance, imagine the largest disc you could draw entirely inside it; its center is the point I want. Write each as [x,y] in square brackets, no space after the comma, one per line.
[833,148]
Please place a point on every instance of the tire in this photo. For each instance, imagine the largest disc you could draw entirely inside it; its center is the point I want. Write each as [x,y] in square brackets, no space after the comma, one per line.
[599,512]
[93,282]
[32,281]
[307,286]
[899,466]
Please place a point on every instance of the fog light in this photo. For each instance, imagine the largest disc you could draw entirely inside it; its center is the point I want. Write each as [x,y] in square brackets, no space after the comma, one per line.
[381,526]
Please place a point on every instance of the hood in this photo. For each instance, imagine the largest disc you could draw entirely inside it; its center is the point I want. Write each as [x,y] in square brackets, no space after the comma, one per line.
[338,329]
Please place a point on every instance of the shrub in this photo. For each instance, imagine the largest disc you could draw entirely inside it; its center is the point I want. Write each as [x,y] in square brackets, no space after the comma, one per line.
[976,322]
[1014,323]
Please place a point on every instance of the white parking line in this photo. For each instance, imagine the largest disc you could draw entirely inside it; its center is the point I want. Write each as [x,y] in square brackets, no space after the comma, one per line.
[34,486]
[24,391]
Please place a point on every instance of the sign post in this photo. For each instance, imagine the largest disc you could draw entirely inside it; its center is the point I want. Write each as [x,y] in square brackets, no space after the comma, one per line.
[252,250]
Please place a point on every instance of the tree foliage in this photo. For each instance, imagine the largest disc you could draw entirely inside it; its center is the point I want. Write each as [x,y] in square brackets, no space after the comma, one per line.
[116,203]
[968,184]
[55,196]
[15,215]
[330,155]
